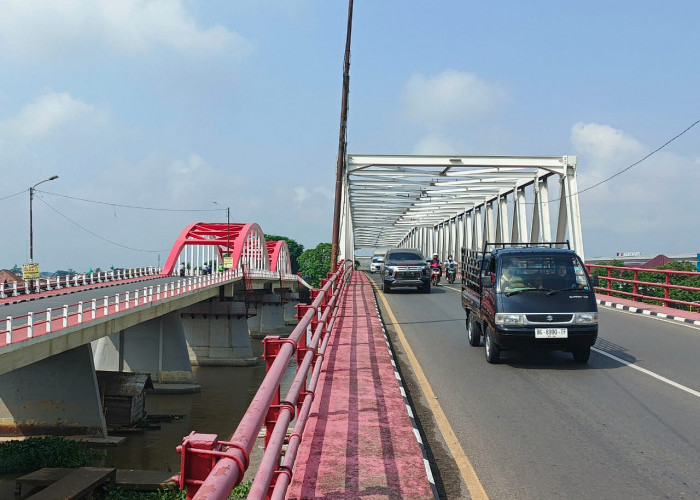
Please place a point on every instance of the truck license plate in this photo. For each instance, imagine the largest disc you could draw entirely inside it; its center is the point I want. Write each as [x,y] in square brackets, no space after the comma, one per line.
[551,333]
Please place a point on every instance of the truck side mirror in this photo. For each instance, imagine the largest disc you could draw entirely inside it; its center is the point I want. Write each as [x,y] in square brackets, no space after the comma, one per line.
[487,281]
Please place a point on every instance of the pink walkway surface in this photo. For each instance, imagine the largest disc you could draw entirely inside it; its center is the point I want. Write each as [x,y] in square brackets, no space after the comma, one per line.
[359,441]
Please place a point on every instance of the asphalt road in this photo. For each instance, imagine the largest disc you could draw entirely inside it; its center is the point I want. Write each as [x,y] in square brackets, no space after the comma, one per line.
[538,425]
[70,297]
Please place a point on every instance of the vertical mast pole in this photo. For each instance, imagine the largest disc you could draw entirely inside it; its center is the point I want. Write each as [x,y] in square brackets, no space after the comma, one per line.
[340,160]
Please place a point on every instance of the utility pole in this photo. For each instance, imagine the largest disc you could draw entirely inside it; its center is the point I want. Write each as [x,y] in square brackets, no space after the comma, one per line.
[342,141]
[31,227]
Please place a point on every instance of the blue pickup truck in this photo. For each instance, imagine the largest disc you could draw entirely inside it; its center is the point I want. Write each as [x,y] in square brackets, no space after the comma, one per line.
[529,296]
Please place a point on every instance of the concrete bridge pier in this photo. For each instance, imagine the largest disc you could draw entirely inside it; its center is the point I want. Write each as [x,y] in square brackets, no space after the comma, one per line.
[157,346]
[217,333]
[290,308]
[270,317]
[57,396]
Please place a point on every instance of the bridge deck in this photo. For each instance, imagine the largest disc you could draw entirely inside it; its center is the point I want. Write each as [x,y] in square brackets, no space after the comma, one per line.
[359,441]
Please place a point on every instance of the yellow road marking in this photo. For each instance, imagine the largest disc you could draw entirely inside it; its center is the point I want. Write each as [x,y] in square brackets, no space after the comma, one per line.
[476,490]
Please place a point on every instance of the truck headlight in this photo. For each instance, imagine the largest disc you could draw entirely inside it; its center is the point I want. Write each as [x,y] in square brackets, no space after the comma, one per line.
[590,318]
[507,319]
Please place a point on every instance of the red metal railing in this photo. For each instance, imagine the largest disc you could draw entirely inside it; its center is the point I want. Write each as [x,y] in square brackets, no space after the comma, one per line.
[19,328]
[625,281]
[17,288]
[210,468]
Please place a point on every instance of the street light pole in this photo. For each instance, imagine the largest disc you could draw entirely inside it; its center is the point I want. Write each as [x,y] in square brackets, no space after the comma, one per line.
[31,228]
[228,228]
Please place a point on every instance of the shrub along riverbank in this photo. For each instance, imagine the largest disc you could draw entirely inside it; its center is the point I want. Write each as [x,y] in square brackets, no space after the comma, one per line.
[28,455]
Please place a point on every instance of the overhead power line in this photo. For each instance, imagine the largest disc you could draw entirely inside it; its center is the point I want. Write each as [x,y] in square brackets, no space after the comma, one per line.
[13,195]
[639,161]
[133,206]
[95,234]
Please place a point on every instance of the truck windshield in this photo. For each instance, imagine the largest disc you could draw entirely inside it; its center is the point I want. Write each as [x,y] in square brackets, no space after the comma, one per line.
[541,272]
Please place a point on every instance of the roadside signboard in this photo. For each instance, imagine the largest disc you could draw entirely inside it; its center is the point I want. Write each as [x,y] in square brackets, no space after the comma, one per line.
[228,262]
[30,271]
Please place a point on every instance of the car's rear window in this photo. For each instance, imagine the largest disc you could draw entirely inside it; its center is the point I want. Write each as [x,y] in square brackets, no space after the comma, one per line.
[403,256]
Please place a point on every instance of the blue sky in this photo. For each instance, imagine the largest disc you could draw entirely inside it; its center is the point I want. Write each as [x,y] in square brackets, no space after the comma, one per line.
[179,104]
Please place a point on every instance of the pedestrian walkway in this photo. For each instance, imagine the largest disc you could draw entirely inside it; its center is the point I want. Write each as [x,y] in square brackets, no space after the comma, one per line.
[359,441]
[679,315]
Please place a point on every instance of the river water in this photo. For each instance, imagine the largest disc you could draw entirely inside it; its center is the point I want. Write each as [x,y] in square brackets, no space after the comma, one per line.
[225,395]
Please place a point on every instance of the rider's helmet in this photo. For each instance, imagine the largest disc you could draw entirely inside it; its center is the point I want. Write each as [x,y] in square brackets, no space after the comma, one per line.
[435,256]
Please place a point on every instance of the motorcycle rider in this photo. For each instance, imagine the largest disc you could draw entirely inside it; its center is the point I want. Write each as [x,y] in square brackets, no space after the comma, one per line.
[435,263]
[451,268]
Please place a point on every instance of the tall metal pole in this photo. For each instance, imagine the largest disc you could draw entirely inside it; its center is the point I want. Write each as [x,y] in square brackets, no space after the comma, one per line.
[31,226]
[340,160]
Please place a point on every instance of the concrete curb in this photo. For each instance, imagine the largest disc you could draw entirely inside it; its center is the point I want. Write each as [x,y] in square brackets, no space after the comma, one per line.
[647,312]
[409,409]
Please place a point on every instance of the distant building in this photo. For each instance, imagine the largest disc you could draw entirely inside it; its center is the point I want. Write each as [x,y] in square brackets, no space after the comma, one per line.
[8,276]
[658,261]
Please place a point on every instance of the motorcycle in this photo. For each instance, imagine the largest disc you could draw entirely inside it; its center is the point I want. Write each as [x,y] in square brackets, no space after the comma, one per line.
[435,273]
[451,275]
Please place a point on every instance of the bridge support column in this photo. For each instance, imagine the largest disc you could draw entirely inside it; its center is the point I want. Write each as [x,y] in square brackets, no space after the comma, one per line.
[58,396]
[157,346]
[217,334]
[269,319]
[290,308]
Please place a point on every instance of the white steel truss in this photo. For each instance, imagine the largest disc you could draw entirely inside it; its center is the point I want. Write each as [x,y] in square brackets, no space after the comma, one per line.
[443,203]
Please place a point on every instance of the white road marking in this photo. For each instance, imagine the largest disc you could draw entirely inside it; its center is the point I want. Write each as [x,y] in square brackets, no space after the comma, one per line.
[648,372]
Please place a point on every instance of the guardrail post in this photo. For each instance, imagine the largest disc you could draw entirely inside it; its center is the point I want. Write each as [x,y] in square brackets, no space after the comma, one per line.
[80,312]
[48,320]
[94,308]
[271,348]
[9,329]
[667,293]
[158,292]
[65,316]
[116,303]
[194,466]
[15,293]
[106,306]
[136,298]
[30,325]
[2,290]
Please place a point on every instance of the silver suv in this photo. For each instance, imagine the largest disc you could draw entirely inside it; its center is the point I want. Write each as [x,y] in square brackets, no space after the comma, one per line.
[405,267]
[376,265]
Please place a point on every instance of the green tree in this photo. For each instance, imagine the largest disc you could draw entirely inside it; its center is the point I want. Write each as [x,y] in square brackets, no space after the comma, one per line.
[62,272]
[295,249]
[314,264]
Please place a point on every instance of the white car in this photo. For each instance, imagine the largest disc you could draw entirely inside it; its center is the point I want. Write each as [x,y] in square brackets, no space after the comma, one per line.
[376,265]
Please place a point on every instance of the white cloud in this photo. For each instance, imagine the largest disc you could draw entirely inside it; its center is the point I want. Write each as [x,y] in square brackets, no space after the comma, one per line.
[48,113]
[645,207]
[449,97]
[435,144]
[301,194]
[603,142]
[38,29]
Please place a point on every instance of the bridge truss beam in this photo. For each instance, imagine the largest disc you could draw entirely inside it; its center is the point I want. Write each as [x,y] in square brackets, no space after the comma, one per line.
[443,203]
